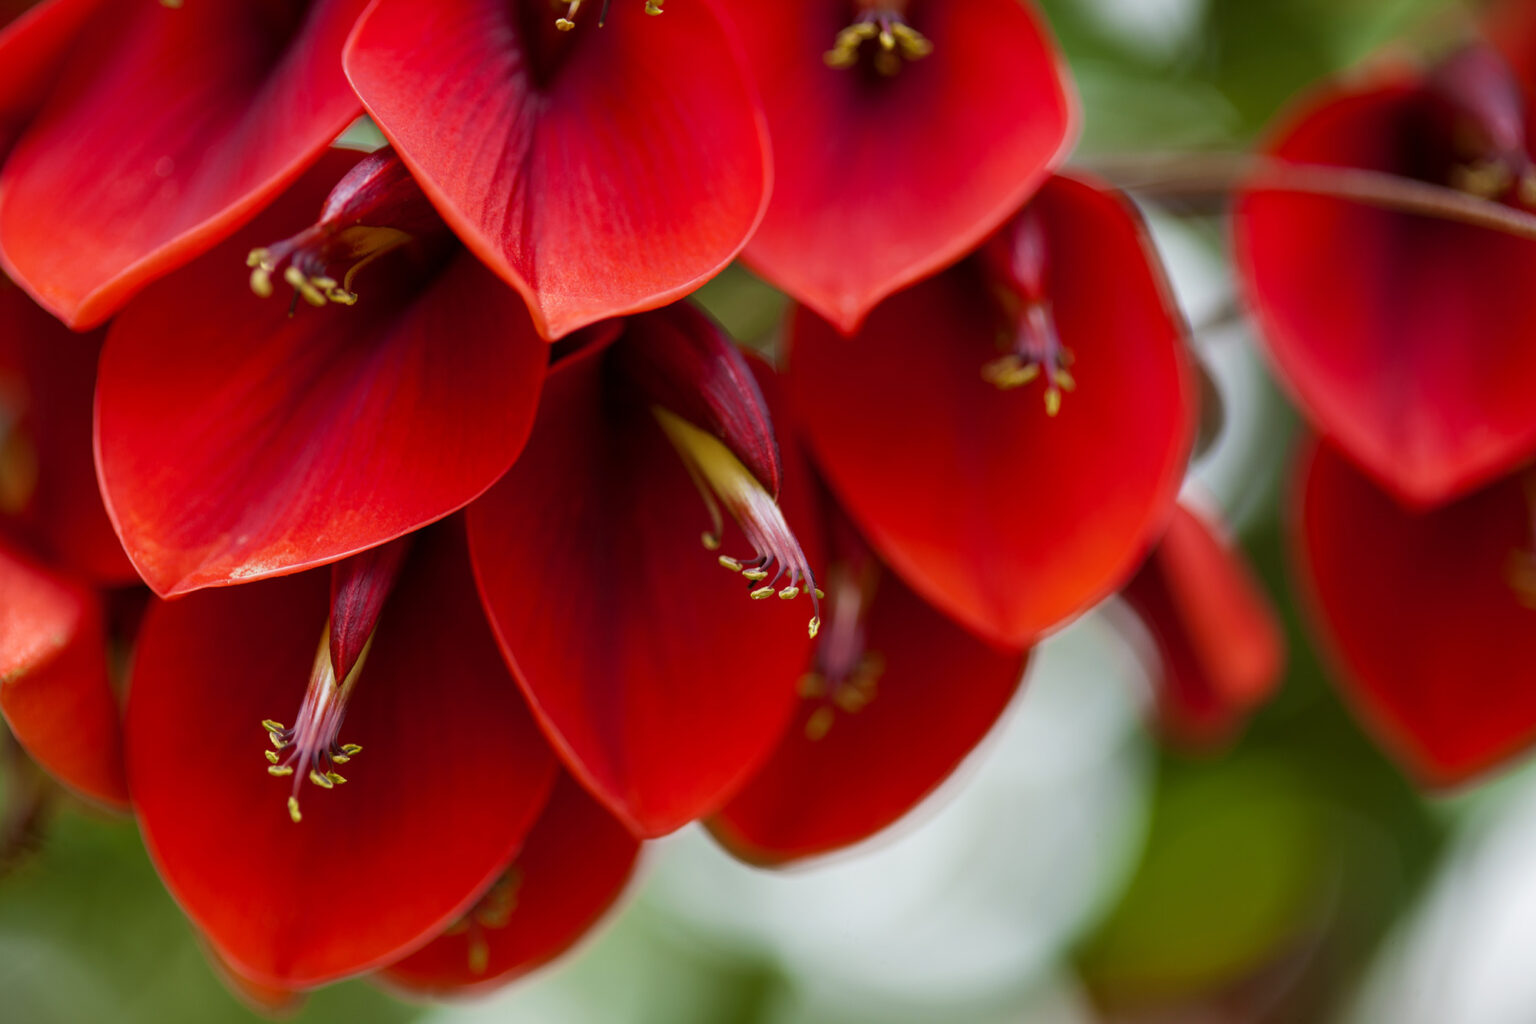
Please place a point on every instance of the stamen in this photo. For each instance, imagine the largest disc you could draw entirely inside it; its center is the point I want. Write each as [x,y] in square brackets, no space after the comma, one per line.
[568,21]
[1035,350]
[308,261]
[311,745]
[493,911]
[895,40]
[777,555]
[846,675]
[1014,262]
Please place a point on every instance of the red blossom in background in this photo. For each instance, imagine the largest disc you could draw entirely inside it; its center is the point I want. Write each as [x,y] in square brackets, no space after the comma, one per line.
[1010,513]
[1459,580]
[1219,652]
[1404,337]
[602,170]
[895,696]
[904,132]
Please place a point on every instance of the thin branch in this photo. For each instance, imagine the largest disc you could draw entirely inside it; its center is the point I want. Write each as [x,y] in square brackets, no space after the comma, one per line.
[1203,177]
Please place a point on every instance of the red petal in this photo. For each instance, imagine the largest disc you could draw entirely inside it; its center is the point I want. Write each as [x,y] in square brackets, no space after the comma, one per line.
[54,689]
[657,678]
[1008,519]
[572,868]
[47,472]
[236,442]
[451,776]
[1433,642]
[1405,338]
[169,129]
[630,177]
[940,692]
[32,48]
[1219,643]
[880,182]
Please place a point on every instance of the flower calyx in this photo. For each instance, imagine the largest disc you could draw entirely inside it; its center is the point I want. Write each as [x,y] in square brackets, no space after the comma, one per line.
[375,209]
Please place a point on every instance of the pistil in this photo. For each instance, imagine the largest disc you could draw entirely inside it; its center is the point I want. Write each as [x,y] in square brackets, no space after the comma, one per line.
[778,565]
[311,749]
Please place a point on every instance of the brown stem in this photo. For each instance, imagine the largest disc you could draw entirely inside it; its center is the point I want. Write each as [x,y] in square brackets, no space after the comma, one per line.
[1201,178]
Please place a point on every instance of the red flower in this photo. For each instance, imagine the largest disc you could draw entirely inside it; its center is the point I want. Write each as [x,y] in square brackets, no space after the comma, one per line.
[904,132]
[602,170]
[1219,649]
[236,441]
[662,685]
[168,128]
[312,876]
[895,696]
[573,866]
[1010,513]
[55,543]
[1429,615]
[1404,337]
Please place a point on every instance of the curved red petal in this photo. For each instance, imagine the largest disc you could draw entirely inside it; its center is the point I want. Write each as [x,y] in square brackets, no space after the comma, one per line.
[1425,615]
[1220,647]
[1007,518]
[235,442]
[48,486]
[574,865]
[170,127]
[937,695]
[879,181]
[1404,338]
[32,48]
[616,182]
[54,689]
[451,775]
[656,677]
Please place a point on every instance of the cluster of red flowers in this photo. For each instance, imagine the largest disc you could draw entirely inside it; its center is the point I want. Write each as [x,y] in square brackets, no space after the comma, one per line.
[426,528]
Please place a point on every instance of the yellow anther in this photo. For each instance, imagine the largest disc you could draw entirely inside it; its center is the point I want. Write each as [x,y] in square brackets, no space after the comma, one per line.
[479,949]
[293,810]
[653,7]
[1052,401]
[756,574]
[335,778]
[821,595]
[564,24]
[301,284]
[789,593]
[812,684]
[351,749]
[820,723]
[761,592]
[277,740]
[815,624]
[340,759]
[271,726]
[323,781]
[272,756]
[280,770]
[731,563]
[710,541]
[897,41]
